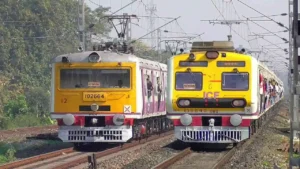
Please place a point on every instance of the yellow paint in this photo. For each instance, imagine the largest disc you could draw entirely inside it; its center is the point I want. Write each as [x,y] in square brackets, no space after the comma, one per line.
[68,100]
[212,76]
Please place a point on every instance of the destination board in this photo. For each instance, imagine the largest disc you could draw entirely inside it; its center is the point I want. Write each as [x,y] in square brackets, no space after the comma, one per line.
[193,64]
[231,64]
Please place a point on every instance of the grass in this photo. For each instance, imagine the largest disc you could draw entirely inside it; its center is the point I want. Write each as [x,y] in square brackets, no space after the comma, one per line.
[24,120]
[8,150]
[7,153]
[266,163]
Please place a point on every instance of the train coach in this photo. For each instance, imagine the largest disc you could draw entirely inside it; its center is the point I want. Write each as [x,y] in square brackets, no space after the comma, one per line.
[106,96]
[217,95]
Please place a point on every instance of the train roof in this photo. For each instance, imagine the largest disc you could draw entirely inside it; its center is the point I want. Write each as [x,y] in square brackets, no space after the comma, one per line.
[109,56]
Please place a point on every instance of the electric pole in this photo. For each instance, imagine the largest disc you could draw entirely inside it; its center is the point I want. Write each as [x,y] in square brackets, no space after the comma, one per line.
[295,87]
[81,24]
[151,9]
[125,22]
[229,23]
[158,41]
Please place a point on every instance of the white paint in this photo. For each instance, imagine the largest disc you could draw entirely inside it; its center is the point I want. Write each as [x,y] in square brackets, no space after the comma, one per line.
[52,99]
[254,85]
[170,85]
[127,108]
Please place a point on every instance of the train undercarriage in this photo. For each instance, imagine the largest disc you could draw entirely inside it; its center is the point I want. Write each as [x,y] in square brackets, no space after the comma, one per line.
[141,128]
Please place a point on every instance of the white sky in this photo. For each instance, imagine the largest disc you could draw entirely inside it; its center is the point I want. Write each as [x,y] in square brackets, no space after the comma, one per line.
[193,11]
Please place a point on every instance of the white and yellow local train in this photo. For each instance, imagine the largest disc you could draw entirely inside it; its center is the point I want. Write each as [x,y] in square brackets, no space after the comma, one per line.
[216,95]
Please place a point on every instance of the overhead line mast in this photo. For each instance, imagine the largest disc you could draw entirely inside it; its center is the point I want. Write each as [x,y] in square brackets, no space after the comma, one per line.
[151,8]
[81,24]
[225,22]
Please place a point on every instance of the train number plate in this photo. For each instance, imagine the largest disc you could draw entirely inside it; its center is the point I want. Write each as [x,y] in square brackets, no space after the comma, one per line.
[94,96]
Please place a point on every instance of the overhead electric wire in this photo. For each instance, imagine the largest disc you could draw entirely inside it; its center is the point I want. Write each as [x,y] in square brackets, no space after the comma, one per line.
[241,36]
[119,9]
[268,30]
[155,29]
[231,28]
[248,27]
[278,23]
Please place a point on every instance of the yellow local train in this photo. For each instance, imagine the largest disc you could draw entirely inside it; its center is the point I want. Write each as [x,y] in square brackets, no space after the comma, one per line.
[107,96]
[216,95]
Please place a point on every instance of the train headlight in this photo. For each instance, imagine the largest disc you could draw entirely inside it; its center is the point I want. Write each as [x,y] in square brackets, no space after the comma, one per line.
[186,119]
[69,119]
[238,103]
[184,102]
[212,55]
[236,120]
[94,107]
[118,119]
[94,57]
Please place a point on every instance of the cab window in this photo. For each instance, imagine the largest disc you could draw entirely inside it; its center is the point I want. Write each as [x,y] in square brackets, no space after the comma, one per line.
[235,81]
[94,78]
[188,81]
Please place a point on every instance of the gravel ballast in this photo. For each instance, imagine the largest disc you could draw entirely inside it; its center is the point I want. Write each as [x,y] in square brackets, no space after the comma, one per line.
[263,152]
[143,156]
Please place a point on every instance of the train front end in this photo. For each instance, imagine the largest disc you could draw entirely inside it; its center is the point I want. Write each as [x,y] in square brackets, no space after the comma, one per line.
[93,96]
[209,94]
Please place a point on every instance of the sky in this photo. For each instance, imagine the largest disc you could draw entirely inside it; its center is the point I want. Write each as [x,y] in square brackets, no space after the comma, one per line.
[191,13]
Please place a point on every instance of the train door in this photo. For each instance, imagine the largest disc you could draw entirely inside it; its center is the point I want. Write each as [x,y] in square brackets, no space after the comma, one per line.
[147,91]
[164,95]
[159,88]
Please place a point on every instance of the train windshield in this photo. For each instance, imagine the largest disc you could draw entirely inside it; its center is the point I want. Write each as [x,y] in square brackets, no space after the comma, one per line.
[188,81]
[235,81]
[94,78]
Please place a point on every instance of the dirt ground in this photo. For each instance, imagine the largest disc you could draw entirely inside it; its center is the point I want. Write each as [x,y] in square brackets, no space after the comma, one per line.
[263,153]
[18,135]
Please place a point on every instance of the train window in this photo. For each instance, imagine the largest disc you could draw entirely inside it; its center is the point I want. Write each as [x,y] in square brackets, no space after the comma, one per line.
[94,78]
[188,81]
[235,81]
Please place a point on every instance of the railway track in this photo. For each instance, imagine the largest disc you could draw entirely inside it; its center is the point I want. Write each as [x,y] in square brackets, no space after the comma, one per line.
[205,159]
[68,158]
[191,158]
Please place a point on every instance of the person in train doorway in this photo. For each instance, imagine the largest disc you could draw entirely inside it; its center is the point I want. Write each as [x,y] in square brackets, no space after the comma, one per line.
[271,92]
[159,91]
[149,88]
[266,92]
[281,91]
[261,91]
[276,91]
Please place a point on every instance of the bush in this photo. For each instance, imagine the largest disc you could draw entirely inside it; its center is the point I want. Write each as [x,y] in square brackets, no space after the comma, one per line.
[7,153]
[24,120]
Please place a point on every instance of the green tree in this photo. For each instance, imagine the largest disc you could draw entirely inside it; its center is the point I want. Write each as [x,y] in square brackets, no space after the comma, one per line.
[32,33]
[16,107]
[144,51]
